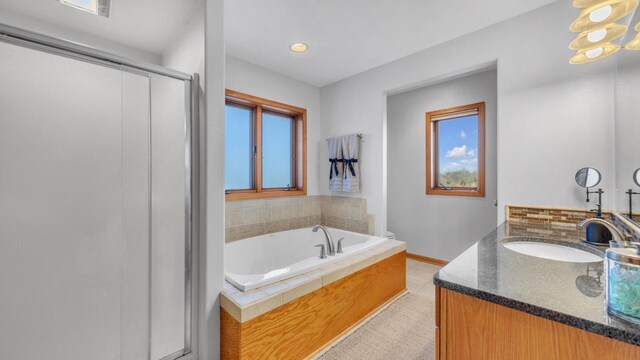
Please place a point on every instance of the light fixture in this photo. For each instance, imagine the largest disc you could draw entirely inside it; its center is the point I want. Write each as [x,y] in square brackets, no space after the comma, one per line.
[635,43]
[96,7]
[595,53]
[298,47]
[586,3]
[602,13]
[597,37]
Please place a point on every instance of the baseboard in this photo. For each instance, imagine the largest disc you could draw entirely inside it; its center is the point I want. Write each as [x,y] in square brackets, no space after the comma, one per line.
[427,259]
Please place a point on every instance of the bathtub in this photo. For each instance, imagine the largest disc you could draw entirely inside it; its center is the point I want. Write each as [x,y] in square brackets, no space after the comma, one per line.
[262,260]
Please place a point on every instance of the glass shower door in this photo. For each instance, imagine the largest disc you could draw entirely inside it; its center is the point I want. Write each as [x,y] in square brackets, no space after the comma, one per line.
[94,210]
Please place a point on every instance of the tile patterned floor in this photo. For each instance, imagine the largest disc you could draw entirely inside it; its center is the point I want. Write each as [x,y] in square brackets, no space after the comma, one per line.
[420,278]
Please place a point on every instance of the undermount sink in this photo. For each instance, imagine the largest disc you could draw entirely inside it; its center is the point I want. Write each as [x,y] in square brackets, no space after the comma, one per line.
[552,251]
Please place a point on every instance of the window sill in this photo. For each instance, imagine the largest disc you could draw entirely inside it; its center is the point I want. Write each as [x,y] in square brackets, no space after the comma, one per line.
[263,195]
[472,193]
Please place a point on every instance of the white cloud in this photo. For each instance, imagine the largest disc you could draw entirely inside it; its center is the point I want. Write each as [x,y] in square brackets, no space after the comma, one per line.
[472,153]
[451,167]
[463,134]
[457,152]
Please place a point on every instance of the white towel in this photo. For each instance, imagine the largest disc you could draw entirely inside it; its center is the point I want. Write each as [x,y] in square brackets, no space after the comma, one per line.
[335,164]
[350,150]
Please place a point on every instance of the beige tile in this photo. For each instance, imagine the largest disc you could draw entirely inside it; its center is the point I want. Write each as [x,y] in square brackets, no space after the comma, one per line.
[236,217]
[372,224]
[297,200]
[231,234]
[336,272]
[325,208]
[297,210]
[277,202]
[265,213]
[360,226]
[231,205]
[339,210]
[340,200]
[251,215]
[277,212]
[250,230]
[363,210]
[302,289]
[355,210]
[252,203]
[231,307]
[275,288]
[261,307]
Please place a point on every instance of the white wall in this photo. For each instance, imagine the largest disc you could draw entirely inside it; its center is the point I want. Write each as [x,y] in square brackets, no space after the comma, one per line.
[212,178]
[553,117]
[203,38]
[45,28]
[440,233]
[627,128]
[254,80]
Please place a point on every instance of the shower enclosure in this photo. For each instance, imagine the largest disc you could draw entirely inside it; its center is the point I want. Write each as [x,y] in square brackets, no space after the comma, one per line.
[95,204]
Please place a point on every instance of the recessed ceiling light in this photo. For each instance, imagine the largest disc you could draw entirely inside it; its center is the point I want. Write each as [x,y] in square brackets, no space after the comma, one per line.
[597,37]
[298,47]
[607,12]
[96,7]
[593,54]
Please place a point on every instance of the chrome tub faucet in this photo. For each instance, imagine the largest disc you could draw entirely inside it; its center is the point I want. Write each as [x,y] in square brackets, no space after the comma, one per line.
[330,247]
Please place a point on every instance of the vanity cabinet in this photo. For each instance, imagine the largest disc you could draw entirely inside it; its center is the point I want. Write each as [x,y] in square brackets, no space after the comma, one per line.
[470,328]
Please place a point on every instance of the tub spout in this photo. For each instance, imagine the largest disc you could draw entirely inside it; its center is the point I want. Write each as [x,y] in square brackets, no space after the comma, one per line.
[331,249]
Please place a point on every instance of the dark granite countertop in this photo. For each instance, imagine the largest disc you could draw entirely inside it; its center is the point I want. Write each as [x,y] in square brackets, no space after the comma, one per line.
[569,293]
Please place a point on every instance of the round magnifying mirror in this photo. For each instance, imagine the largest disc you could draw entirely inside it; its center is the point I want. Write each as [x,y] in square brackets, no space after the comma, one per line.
[636,176]
[588,177]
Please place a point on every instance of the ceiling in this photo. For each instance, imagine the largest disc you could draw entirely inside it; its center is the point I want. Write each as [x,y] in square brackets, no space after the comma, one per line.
[346,37]
[149,25]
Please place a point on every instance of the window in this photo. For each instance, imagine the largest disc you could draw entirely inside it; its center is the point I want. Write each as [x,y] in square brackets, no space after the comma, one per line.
[265,148]
[455,151]
[96,7]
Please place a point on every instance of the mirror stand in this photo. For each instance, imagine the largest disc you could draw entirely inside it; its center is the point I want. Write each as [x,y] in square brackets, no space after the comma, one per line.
[598,208]
[631,193]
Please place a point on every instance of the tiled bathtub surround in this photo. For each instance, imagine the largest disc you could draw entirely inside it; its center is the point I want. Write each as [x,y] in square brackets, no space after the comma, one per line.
[247,218]
[347,213]
[245,306]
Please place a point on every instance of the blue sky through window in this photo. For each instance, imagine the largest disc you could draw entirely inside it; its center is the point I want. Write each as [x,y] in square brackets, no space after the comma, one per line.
[238,148]
[277,148]
[458,144]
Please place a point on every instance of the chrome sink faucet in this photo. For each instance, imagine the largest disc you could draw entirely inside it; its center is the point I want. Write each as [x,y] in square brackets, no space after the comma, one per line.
[331,248]
[618,236]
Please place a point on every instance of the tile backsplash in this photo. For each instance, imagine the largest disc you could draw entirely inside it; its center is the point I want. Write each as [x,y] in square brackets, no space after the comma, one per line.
[247,218]
[547,215]
[562,221]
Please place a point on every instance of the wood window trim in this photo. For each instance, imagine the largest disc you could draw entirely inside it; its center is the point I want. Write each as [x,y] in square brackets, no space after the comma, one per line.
[300,138]
[431,152]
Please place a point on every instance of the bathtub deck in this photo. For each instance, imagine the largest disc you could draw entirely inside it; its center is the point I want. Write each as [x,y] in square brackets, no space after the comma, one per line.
[297,317]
